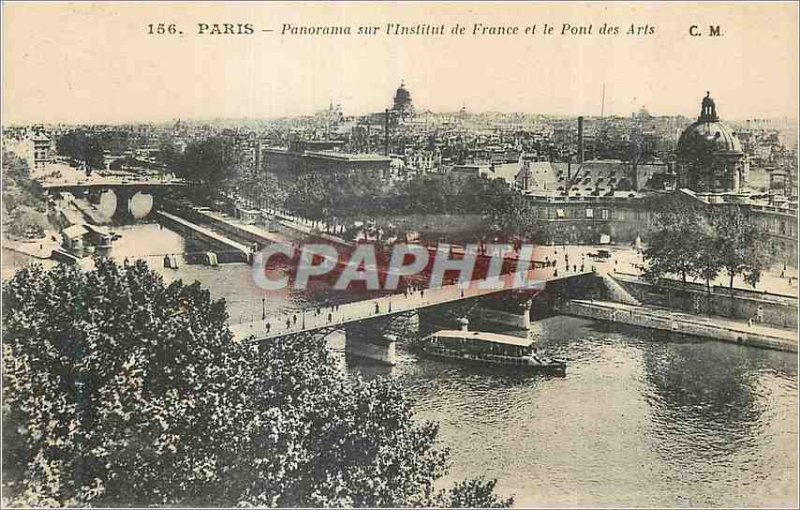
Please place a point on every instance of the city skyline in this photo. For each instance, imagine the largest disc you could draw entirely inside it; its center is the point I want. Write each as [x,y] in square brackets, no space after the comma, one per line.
[97,65]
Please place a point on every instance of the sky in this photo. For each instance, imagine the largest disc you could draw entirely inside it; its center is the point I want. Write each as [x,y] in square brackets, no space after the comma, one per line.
[96,62]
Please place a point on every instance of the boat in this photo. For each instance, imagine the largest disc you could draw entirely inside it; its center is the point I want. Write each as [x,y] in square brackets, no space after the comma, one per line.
[488,348]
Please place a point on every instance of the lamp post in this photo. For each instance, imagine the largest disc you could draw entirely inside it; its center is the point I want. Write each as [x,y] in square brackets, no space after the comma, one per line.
[263,308]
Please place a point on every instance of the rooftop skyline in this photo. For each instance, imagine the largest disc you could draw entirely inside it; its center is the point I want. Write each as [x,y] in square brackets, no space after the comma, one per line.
[95,63]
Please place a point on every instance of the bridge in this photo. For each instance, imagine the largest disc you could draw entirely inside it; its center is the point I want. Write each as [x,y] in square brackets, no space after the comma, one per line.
[120,196]
[71,185]
[230,250]
[365,322]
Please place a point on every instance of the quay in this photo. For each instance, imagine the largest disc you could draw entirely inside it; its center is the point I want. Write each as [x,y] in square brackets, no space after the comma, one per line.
[240,230]
[705,326]
[232,250]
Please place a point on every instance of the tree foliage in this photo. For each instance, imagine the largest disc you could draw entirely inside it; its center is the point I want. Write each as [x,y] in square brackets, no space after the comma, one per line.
[742,247]
[678,243]
[690,240]
[208,162]
[122,390]
[342,197]
[82,147]
[23,203]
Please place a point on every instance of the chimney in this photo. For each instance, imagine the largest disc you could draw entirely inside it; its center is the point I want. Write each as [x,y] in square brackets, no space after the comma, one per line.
[580,140]
[386,133]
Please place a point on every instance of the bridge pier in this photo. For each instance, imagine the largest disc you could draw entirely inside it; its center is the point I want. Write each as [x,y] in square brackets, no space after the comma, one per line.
[557,293]
[372,340]
[513,310]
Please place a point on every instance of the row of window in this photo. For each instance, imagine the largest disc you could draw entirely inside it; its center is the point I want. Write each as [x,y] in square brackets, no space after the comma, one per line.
[604,214]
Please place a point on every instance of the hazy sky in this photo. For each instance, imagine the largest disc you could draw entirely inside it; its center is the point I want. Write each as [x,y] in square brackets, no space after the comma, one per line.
[85,62]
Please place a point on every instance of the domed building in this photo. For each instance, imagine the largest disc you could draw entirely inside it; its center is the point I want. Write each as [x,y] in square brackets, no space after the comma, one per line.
[402,102]
[709,156]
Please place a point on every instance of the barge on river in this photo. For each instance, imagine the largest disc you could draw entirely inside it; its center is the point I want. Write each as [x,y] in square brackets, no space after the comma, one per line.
[488,348]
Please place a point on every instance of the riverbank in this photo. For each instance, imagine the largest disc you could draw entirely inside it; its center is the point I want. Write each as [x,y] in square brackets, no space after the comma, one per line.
[717,328]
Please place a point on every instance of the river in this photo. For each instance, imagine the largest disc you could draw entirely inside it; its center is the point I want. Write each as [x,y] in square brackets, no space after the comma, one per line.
[640,419]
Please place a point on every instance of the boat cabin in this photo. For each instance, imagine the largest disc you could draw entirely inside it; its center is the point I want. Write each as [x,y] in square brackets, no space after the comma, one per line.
[480,342]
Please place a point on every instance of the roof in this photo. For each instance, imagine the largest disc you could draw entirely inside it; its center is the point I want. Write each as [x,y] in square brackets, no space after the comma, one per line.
[344,156]
[103,231]
[74,232]
[705,137]
[485,336]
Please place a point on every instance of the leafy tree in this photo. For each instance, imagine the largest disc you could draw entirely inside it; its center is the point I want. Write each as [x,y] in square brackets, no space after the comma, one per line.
[122,390]
[742,247]
[18,187]
[82,148]
[23,203]
[707,264]
[264,189]
[679,244]
[208,162]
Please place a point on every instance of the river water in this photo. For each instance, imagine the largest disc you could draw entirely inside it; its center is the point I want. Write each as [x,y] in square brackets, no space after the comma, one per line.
[641,419]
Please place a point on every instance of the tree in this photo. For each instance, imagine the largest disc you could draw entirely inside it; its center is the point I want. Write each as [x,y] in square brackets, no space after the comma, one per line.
[23,200]
[82,148]
[210,164]
[742,247]
[122,390]
[707,264]
[675,247]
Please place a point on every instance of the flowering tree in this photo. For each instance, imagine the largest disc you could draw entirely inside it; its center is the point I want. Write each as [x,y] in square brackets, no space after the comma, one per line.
[122,390]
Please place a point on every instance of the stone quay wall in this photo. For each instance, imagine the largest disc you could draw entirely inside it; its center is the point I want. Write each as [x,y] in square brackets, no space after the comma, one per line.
[763,308]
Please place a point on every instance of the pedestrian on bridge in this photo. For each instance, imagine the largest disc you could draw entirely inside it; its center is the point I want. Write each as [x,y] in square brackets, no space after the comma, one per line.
[377,308]
[330,318]
[294,319]
[268,327]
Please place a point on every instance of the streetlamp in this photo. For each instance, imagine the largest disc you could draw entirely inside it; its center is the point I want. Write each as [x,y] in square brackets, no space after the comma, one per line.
[263,308]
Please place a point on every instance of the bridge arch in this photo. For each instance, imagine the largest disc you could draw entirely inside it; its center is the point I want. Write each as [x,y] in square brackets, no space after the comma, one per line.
[140,204]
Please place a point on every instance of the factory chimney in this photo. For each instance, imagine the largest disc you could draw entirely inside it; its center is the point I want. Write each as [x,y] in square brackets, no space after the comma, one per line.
[386,133]
[580,140]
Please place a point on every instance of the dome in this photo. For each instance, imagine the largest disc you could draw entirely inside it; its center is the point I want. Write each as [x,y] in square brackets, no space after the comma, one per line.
[402,97]
[708,136]
[709,154]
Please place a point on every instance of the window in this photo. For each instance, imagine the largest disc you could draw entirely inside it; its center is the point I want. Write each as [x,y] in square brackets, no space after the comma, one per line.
[559,213]
[604,214]
[590,213]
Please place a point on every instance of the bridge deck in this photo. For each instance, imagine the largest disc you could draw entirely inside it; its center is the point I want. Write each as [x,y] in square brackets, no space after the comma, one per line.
[108,182]
[207,233]
[395,304]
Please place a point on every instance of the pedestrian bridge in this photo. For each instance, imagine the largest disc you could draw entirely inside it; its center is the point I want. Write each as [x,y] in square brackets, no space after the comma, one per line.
[330,318]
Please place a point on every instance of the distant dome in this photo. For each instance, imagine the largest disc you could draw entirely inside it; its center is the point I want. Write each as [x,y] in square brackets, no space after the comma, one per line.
[402,101]
[402,96]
